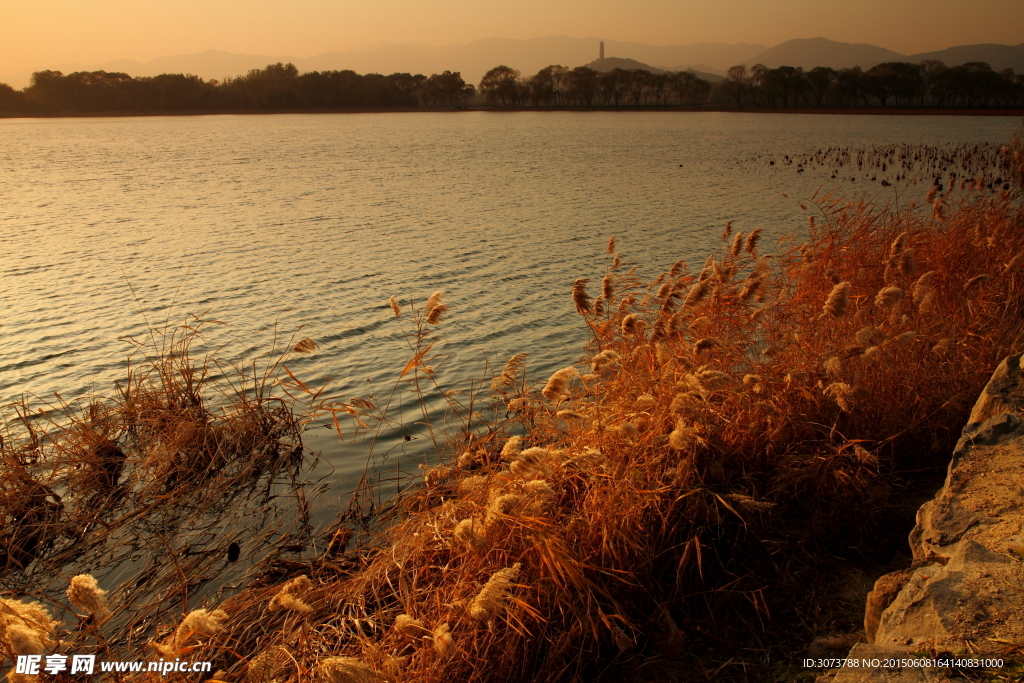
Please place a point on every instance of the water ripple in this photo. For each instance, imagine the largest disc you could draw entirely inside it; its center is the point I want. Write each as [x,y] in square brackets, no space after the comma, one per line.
[318,219]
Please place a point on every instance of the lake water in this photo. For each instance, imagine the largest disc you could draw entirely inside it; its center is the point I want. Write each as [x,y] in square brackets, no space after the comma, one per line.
[110,225]
[317,219]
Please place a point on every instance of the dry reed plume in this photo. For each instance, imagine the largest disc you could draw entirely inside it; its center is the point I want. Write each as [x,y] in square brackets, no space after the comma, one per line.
[142,482]
[720,436]
[86,594]
[682,493]
[433,310]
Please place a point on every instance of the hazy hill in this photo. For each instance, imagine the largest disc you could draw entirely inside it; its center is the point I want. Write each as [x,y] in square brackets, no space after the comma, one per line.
[812,52]
[698,68]
[211,64]
[718,55]
[708,60]
[999,57]
[709,76]
[471,59]
[529,56]
[609,63]
[208,64]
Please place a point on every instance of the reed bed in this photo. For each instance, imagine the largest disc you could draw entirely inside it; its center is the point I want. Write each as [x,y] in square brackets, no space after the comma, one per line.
[730,425]
[733,428]
[158,488]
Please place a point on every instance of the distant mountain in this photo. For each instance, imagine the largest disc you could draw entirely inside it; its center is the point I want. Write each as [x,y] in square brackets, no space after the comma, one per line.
[208,64]
[719,55]
[609,63]
[529,56]
[701,71]
[999,57]
[811,52]
[212,64]
[697,67]
[473,59]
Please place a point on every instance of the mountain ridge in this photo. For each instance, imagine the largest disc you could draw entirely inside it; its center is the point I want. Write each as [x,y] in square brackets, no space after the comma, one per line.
[472,59]
[609,63]
[475,58]
[811,52]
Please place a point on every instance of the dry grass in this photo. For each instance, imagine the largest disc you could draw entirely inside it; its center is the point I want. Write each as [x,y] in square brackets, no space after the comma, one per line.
[729,431]
[1015,152]
[677,487]
[154,483]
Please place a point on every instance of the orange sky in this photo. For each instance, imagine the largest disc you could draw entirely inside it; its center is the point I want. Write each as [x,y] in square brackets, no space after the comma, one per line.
[34,33]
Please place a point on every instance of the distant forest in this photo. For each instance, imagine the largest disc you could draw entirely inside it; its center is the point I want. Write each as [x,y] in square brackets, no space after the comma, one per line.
[281,87]
[901,84]
[927,84]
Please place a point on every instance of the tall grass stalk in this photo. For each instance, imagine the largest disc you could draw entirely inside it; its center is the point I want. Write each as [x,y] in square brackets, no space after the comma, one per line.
[151,485]
[673,491]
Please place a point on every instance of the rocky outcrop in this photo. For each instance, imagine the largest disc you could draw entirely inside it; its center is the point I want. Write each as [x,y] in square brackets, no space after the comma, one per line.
[885,592]
[964,592]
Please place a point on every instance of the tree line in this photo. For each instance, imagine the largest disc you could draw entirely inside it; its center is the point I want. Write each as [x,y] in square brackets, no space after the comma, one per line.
[927,84]
[278,86]
[282,87]
[557,85]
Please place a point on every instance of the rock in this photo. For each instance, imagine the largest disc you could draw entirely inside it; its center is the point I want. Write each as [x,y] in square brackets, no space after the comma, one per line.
[826,647]
[885,591]
[1004,392]
[942,606]
[965,587]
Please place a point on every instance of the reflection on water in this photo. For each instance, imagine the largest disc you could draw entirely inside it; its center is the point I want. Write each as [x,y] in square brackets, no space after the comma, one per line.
[107,225]
[112,227]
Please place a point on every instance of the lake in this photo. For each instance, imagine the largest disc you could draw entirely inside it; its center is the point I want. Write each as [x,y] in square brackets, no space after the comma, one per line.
[112,226]
[108,225]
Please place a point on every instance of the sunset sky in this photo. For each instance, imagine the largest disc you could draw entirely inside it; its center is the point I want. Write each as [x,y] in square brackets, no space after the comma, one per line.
[34,33]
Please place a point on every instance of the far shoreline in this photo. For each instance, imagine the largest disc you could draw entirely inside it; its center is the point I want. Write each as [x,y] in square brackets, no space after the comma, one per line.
[834,111]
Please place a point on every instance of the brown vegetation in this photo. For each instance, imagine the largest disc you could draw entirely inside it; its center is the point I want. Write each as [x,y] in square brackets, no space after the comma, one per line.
[681,487]
[732,430]
[156,483]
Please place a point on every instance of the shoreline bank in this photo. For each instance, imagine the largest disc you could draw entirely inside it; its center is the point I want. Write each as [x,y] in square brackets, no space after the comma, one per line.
[862,111]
